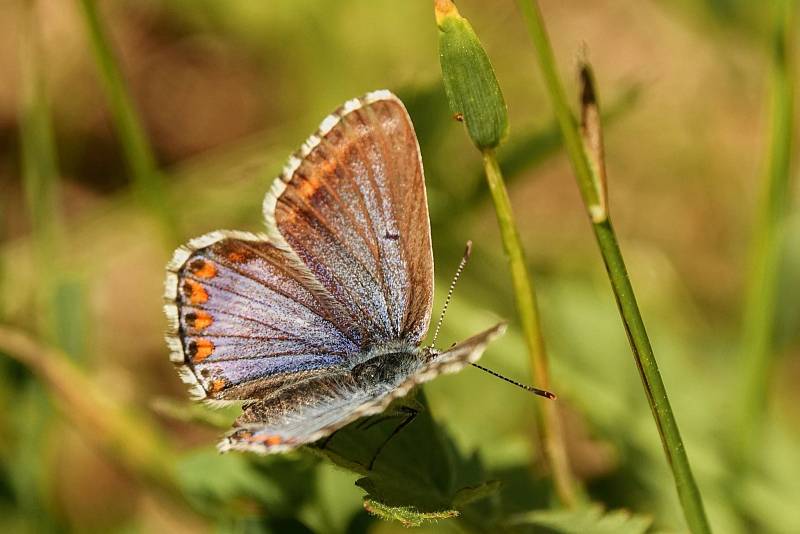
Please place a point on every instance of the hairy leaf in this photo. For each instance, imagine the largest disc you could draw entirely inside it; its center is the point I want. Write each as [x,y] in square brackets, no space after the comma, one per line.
[405,514]
[592,519]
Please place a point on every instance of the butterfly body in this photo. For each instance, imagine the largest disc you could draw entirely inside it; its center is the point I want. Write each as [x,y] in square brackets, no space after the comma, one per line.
[319,321]
[388,365]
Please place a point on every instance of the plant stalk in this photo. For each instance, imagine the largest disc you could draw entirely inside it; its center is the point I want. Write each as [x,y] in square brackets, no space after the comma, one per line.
[475,98]
[40,174]
[28,474]
[592,187]
[566,121]
[760,304]
[656,392]
[525,300]
[141,162]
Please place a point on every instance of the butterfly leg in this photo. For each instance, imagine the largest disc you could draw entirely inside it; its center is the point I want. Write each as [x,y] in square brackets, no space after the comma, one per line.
[409,415]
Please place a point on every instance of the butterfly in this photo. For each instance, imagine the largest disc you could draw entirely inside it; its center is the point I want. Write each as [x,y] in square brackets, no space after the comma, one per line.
[319,321]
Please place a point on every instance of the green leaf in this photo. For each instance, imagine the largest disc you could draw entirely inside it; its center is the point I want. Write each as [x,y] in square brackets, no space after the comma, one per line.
[406,515]
[419,471]
[593,519]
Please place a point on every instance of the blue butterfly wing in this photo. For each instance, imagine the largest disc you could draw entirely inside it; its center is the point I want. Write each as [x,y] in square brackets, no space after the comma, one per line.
[243,320]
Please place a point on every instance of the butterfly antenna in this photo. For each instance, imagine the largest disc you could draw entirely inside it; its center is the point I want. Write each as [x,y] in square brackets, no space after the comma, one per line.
[461,265]
[536,391]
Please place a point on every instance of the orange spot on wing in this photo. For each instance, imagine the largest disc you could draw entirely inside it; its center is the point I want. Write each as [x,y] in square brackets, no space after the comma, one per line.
[195,292]
[238,255]
[216,385]
[199,320]
[266,440]
[308,187]
[234,251]
[202,268]
[200,349]
[272,440]
[329,166]
[203,320]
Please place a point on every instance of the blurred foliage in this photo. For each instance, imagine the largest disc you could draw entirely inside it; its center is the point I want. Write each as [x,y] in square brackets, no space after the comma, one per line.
[225,92]
[575,522]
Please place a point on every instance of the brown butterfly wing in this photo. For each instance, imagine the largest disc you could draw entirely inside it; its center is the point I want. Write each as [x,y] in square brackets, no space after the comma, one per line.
[352,206]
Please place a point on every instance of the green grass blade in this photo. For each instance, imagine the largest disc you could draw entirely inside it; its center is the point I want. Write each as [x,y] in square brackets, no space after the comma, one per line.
[147,180]
[767,240]
[59,302]
[591,186]
[129,439]
[656,392]
[40,179]
[39,167]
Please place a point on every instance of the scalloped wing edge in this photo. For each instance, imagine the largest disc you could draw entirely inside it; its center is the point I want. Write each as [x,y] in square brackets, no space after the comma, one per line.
[280,183]
[177,353]
[313,140]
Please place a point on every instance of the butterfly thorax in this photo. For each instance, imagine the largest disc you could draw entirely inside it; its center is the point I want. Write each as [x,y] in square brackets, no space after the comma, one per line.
[388,364]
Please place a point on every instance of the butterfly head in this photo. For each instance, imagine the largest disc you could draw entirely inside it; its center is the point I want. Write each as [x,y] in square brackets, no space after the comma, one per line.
[429,353]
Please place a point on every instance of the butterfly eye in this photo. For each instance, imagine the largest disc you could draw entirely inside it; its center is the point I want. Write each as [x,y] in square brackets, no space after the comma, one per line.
[429,354]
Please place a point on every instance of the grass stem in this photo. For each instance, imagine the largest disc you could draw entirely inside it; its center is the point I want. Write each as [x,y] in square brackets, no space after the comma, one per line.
[40,175]
[28,474]
[525,300]
[566,121]
[767,240]
[592,187]
[656,392]
[476,99]
[147,180]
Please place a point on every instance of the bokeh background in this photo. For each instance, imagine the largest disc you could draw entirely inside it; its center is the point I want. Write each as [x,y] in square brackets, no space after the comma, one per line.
[226,90]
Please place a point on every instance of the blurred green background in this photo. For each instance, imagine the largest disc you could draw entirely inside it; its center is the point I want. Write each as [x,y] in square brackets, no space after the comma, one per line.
[226,90]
